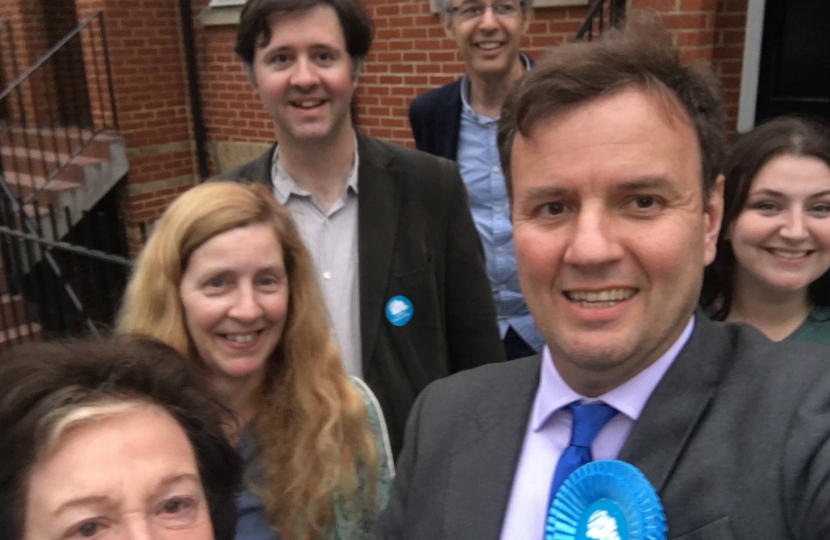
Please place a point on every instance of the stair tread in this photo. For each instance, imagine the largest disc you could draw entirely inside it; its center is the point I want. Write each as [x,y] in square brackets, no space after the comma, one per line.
[19,331]
[6,298]
[47,155]
[38,181]
[61,132]
[29,210]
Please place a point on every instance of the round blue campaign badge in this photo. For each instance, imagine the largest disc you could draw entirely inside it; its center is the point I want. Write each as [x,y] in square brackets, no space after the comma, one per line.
[399,310]
[606,500]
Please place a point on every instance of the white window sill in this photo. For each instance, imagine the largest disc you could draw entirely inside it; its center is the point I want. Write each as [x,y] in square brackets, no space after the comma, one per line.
[220,15]
[537,4]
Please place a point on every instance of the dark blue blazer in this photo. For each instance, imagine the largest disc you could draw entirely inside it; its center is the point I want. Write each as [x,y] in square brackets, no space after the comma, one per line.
[435,118]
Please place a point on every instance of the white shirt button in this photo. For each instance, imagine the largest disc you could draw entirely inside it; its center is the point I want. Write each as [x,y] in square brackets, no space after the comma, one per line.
[496,169]
[499,250]
[327,275]
[497,209]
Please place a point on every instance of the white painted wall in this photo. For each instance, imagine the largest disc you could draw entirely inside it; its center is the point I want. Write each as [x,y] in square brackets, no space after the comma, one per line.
[751,65]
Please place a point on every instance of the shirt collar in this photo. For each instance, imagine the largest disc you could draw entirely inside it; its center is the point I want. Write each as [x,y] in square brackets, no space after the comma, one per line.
[629,398]
[285,186]
[465,85]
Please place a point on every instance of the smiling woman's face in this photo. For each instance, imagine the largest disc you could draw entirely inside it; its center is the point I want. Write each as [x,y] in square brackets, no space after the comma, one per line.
[235,297]
[131,475]
[781,239]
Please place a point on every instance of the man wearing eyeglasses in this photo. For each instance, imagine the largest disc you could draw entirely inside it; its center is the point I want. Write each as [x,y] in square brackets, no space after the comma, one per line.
[458,121]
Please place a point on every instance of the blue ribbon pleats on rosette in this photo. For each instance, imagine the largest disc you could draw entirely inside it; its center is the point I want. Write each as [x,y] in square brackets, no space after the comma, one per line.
[606,500]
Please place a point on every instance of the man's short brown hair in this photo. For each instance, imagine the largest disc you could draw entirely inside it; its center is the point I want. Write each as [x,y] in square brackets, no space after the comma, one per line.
[255,25]
[641,55]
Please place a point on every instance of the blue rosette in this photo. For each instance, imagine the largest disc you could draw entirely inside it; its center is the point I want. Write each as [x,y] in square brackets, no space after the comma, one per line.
[606,500]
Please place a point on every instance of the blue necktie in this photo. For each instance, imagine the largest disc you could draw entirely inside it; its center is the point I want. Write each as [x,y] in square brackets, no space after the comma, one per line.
[587,421]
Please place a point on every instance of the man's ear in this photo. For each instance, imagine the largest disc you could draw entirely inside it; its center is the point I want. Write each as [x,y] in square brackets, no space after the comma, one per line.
[712,218]
[446,24]
[357,68]
[249,70]
[527,17]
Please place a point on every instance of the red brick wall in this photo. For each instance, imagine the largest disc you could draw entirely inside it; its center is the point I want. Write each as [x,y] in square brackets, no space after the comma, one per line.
[231,107]
[152,100]
[730,30]
[148,69]
[30,42]
[411,54]
[711,31]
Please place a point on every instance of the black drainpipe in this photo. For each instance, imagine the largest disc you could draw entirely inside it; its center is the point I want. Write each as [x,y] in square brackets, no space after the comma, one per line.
[199,129]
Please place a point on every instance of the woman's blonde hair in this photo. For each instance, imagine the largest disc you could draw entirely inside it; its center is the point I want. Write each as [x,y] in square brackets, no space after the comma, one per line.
[311,432]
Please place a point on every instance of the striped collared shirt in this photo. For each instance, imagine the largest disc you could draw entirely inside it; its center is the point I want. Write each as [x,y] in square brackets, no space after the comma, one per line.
[331,239]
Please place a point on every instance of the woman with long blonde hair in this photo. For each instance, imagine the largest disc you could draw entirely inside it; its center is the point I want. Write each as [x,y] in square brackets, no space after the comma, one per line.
[225,280]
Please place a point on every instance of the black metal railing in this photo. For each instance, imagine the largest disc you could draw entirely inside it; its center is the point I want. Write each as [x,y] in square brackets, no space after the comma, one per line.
[56,108]
[602,15]
[8,66]
[57,288]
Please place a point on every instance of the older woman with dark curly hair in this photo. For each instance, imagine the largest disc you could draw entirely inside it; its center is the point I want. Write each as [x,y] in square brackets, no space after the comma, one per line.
[112,439]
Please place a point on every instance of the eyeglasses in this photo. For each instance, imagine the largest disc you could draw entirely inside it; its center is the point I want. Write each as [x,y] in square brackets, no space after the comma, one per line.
[471,11]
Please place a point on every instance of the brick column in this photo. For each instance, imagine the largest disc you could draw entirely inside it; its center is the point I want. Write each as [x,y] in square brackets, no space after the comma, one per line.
[29,43]
[711,31]
[730,30]
[152,101]
[411,54]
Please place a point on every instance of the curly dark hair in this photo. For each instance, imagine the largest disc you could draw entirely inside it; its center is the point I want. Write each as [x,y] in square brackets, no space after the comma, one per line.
[38,381]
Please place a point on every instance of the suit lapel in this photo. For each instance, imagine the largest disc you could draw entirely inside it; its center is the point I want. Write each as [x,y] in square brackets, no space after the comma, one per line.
[450,116]
[676,406]
[260,170]
[379,197]
[483,464]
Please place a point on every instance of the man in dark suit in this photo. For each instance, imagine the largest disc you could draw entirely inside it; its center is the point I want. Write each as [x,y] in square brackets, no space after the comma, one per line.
[458,121]
[613,151]
[397,254]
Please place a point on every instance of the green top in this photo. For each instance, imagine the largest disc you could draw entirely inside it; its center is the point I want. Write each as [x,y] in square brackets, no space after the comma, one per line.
[343,528]
[815,329]
[253,525]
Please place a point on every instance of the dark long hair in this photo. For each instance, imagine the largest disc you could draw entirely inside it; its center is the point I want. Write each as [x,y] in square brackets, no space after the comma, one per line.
[778,137]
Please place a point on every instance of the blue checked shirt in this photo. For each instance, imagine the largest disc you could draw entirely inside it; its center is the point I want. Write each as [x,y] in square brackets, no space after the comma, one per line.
[478,161]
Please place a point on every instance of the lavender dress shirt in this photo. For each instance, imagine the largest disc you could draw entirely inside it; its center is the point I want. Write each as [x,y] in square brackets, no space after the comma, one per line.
[549,432]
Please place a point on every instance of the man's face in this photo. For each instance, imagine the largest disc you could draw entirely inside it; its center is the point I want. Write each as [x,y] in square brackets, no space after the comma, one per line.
[490,41]
[304,75]
[611,233]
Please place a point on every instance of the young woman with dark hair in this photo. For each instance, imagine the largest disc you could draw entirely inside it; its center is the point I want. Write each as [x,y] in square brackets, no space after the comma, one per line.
[773,257]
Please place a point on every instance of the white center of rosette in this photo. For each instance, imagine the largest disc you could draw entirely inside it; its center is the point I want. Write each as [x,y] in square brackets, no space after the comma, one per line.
[601,526]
